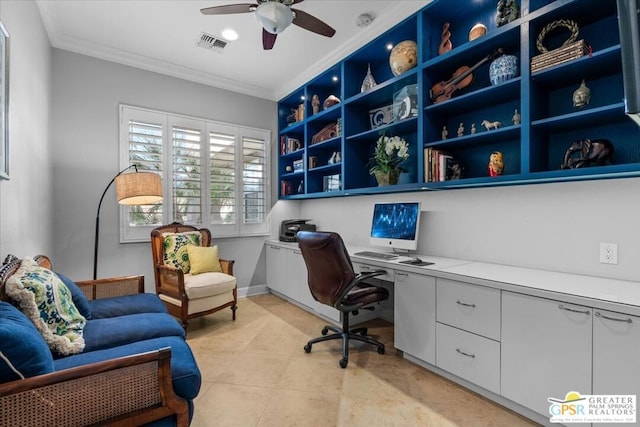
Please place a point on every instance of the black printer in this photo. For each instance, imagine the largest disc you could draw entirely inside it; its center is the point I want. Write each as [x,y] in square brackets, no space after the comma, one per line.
[290,227]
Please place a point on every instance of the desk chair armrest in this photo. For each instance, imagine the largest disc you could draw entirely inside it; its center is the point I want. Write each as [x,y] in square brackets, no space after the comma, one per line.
[361,278]
[138,388]
[112,286]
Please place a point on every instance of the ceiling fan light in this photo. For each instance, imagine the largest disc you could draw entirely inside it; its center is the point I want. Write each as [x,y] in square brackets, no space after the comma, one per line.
[274,17]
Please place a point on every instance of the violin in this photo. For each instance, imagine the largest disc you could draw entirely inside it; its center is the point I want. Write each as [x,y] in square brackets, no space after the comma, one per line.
[460,79]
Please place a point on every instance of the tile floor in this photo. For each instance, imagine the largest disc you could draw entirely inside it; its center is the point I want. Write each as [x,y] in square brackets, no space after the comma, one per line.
[256,373]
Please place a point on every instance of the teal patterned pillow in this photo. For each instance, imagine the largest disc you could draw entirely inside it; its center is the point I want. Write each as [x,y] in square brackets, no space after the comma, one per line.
[48,303]
[175,248]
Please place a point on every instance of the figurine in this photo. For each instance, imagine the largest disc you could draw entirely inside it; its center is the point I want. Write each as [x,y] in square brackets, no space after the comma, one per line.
[369,82]
[473,128]
[336,157]
[330,101]
[315,104]
[516,118]
[491,125]
[461,130]
[445,132]
[581,96]
[293,115]
[507,11]
[445,43]
[586,152]
[496,165]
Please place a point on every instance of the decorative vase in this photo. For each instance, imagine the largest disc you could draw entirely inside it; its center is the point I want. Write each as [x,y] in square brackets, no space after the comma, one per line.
[503,68]
[384,178]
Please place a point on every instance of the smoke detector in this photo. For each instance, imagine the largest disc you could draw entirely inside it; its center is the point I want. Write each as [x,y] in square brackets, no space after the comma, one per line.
[211,42]
[364,20]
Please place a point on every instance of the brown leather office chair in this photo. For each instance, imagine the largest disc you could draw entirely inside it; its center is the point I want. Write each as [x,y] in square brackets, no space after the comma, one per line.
[333,282]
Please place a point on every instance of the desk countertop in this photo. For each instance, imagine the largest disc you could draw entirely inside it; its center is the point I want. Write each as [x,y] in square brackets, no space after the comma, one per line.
[598,292]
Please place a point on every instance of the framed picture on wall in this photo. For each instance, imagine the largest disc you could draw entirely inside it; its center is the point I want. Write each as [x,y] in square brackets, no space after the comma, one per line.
[4,102]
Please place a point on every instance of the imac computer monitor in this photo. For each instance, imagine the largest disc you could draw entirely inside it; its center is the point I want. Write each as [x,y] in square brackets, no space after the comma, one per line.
[395,225]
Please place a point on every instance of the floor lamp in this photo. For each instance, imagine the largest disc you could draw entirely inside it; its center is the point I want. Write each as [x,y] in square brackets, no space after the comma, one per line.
[134,188]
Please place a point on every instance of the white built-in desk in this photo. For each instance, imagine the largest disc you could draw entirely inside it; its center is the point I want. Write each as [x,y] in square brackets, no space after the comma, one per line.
[515,335]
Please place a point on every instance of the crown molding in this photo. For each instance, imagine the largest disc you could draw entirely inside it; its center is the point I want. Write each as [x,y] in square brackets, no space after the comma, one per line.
[59,40]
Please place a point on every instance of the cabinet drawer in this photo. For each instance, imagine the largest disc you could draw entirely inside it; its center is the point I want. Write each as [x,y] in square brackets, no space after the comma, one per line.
[469,356]
[470,307]
[365,268]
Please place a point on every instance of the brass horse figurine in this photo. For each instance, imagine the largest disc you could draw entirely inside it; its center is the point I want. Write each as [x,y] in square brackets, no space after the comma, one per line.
[585,152]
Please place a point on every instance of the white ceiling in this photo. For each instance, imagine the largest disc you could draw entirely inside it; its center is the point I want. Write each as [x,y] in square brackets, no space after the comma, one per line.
[162,36]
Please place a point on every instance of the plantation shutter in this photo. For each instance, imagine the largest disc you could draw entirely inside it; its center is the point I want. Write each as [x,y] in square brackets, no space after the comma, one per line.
[145,151]
[253,180]
[222,152]
[187,175]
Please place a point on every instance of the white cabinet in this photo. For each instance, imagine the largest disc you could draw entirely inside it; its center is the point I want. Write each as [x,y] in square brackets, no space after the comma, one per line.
[470,307]
[546,350]
[469,356]
[415,315]
[277,274]
[616,354]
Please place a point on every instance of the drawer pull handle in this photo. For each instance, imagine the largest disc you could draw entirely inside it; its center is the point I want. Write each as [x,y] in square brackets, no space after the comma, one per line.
[573,310]
[465,304]
[297,252]
[401,274]
[473,356]
[628,319]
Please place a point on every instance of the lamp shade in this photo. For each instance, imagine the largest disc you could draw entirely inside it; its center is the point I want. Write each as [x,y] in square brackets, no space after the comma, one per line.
[274,16]
[138,188]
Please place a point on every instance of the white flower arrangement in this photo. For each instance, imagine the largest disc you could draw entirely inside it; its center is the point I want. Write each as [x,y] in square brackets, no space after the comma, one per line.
[389,153]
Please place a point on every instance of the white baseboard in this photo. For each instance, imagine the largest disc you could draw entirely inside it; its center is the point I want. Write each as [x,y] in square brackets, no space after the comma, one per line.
[249,291]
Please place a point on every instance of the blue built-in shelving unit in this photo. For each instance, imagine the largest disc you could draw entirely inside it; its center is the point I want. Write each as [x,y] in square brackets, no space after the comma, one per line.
[533,150]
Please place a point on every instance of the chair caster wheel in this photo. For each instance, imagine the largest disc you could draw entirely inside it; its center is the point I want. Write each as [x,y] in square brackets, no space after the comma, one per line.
[325,331]
[343,363]
[380,350]
[307,348]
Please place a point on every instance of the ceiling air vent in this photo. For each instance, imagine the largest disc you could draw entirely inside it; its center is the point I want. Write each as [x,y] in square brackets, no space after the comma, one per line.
[207,41]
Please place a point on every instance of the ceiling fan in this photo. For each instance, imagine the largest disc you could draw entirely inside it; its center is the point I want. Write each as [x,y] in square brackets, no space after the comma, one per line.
[275,16]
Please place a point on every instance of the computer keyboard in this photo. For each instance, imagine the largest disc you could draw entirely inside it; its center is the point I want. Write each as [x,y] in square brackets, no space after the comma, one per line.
[378,255]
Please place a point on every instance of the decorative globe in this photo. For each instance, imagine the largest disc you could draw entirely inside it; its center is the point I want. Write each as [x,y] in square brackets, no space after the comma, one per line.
[503,68]
[404,56]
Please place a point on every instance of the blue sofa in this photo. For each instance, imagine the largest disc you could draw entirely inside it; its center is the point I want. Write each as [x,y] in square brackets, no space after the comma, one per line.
[136,367]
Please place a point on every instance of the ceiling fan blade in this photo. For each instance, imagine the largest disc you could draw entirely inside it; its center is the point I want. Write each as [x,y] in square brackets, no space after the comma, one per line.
[229,9]
[268,39]
[311,23]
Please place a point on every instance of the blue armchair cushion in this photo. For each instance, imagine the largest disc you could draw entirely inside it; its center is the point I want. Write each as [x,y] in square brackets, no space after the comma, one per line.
[114,331]
[79,298]
[185,374]
[23,351]
[47,302]
[127,304]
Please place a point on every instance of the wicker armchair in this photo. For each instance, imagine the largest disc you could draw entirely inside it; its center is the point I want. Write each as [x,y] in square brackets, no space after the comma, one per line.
[186,296]
[125,391]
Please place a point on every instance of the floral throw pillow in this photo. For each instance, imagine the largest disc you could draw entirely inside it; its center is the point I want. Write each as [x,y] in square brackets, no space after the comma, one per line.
[48,303]
[175,248]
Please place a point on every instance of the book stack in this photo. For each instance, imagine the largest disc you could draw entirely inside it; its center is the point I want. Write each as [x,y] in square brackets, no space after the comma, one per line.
[285,188]
[440,166]
[566,53]
[289,145]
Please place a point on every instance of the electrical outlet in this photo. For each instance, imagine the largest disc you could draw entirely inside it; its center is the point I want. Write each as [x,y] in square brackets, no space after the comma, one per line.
[609,253]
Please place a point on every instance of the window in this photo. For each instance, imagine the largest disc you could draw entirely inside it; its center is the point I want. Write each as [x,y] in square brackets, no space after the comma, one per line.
[214,175]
